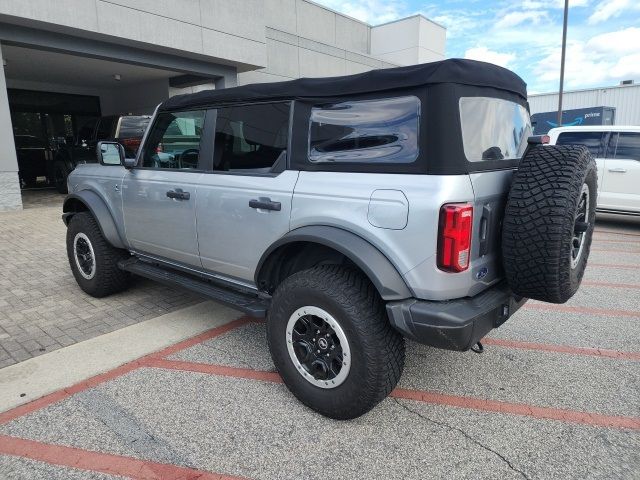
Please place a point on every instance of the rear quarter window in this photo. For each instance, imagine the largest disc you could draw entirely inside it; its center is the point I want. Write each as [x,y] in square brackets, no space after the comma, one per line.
[493,129]
[379,131]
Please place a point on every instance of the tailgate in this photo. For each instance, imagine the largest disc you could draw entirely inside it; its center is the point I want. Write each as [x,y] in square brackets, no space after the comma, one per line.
[490,191]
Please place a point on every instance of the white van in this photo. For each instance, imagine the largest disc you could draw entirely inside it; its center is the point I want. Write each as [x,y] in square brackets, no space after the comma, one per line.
[617,153]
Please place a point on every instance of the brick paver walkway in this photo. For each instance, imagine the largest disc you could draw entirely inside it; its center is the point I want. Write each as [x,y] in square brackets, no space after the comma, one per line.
[41,306]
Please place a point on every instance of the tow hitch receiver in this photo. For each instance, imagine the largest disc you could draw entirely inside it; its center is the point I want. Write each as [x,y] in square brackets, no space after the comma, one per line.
[477,348]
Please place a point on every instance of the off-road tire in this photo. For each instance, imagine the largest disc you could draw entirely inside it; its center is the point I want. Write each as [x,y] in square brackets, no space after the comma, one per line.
[60,175]
[539,222]
[108,278]
[376,349]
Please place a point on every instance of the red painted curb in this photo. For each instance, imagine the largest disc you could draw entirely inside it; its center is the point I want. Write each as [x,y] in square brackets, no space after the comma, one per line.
[102,462]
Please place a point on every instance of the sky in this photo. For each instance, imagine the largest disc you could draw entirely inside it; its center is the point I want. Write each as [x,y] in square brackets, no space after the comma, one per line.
[603,37]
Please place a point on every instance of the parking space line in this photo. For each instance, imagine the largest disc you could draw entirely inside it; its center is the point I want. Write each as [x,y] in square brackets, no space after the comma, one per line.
[210,369]
[617,233]
[546,347]
[587,310]
[59,395]
[613,240]
[521,409]
[614,250]
[102,462]
[203,337]
[473,403]
[628,286]
[614,266]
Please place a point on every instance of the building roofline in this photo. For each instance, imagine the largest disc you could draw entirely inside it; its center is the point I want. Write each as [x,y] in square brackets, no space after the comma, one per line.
[407,18]
[585,90]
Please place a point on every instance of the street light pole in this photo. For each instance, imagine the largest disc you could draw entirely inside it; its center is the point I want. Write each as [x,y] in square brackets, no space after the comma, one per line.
[564,50]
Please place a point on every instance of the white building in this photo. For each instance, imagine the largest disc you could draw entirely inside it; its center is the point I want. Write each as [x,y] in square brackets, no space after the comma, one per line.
[80,58]
[624,98]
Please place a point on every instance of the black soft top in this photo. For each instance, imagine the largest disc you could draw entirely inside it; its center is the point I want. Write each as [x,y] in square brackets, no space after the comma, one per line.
[456,70]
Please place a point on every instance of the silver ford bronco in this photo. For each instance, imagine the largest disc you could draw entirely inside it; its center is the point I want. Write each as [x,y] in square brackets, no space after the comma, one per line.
[351,212]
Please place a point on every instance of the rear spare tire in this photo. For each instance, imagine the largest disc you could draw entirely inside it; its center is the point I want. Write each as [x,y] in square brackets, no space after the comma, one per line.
[549,221]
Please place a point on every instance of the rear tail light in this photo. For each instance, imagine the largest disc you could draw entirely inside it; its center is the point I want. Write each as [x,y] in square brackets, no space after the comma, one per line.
[454,237]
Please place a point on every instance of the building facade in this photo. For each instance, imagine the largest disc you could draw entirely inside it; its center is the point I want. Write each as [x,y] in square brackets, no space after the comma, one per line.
[67,60]
[625,99]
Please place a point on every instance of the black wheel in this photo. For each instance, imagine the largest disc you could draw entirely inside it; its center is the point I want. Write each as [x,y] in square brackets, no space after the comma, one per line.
[549,221]
[60,174]
[93,261]
[330,338]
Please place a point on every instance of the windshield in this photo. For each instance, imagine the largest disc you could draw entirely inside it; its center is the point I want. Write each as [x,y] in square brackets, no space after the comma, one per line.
[493,129]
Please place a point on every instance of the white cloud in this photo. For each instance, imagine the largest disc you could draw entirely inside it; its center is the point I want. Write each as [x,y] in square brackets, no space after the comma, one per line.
[611,9]
[485,55]
[604,59]
[535,4]
[619,42]
[516,18]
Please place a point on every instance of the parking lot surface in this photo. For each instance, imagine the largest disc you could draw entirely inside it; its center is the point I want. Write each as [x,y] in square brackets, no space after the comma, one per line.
[554,395]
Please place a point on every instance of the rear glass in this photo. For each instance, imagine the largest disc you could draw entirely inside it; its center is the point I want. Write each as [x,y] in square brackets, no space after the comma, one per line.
[591,140]
[131,127]
[365,131]
[493,129]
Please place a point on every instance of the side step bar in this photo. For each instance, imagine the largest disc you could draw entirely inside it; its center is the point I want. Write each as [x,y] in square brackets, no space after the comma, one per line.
[245,302]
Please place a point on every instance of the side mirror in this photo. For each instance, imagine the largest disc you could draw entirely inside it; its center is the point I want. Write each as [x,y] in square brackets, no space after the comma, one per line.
[110,153]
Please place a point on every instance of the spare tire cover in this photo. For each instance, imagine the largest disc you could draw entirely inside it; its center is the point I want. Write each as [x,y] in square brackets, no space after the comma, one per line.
[548,223]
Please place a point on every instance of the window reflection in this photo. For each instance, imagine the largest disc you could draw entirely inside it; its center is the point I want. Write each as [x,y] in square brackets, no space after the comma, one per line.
[378,131]
[493,129]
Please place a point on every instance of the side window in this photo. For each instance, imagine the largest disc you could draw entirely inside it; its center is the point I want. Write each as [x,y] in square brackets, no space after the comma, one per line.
[251,137]
[592,140]
[365,131]
[628,146]
[174,141]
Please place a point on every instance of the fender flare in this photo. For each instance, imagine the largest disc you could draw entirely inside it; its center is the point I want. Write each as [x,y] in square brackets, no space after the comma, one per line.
[98,208]
[375,265]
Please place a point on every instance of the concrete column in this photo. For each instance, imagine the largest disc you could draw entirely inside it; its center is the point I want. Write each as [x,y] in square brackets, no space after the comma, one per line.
[10,197]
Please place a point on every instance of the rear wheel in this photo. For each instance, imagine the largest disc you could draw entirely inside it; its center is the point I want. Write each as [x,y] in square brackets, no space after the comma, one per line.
[549,221]
[93,261]
[332,343]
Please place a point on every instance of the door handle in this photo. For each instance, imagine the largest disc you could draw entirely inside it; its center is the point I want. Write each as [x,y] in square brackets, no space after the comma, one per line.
[265,204]
[178,194]
[618,170]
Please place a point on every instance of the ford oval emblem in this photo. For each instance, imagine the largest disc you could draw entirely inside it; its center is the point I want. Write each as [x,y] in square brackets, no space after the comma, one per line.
[482,273]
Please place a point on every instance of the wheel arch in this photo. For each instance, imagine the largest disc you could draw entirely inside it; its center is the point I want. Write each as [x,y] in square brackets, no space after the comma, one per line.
[87,200]
[305,247]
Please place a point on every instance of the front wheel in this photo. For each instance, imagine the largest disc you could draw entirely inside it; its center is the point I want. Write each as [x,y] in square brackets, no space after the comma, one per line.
[93,261]
[330,338]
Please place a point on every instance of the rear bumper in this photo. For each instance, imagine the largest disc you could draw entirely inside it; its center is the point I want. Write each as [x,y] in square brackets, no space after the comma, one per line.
[455,324]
